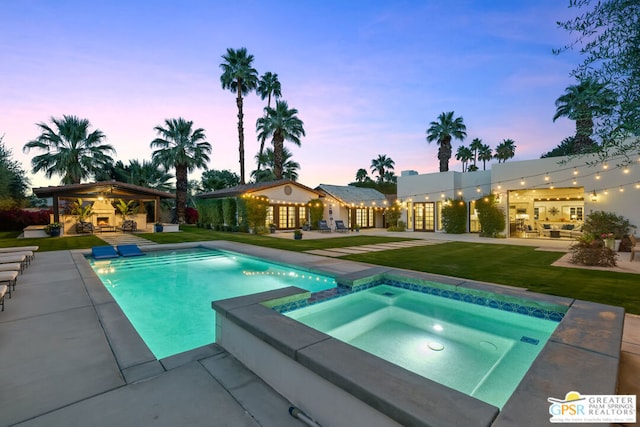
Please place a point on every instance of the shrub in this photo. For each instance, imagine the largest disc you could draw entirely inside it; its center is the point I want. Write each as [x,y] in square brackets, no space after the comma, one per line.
[392,216]
[600,223]
[17,219]
[491,217]
[454,216]
[400,227]
[229,210]
[588,250]
[316,209]
[191,215]
[256,213]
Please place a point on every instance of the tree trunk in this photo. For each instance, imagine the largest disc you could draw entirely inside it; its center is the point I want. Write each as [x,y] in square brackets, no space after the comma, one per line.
[240,130]
[444,154]
[278,148]
[181,192]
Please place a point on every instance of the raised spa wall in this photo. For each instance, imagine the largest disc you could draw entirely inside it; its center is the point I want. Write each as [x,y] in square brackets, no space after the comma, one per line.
[337,384]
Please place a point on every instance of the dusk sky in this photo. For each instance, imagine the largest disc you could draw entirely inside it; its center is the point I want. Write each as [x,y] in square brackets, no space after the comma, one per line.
[367,77]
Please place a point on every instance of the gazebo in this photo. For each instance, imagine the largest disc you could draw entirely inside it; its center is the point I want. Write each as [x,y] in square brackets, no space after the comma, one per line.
[101,194]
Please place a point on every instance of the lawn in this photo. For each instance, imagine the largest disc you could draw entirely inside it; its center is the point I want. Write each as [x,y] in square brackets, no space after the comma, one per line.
[520,266]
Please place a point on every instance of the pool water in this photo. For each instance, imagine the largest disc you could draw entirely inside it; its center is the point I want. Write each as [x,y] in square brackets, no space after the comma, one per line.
[167,294]
[477,350]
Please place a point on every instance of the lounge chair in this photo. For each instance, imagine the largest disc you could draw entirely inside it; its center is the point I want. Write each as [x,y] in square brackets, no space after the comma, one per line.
[340,227]
[130,250]
[19,249]
[10,278]
[13,259]
[104,252]
[12,266]
[323,227]
[3,291]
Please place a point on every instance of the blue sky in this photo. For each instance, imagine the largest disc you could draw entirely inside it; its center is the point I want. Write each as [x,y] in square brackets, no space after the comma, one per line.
[366,77]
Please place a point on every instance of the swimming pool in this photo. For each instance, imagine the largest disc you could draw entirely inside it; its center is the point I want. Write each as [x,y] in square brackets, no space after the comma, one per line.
[167,294]
[479,350]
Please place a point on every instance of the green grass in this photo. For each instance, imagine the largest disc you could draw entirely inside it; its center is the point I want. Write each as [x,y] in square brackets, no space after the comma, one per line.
[520,266]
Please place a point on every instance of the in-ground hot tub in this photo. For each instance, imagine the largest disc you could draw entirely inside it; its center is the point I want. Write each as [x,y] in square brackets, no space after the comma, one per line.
[340,384]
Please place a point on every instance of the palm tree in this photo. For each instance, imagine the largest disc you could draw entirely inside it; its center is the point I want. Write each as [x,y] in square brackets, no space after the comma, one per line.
[443,131]
[71,151]
[282,124]
[475,145]
[267,86]
[183,148]
[148,174]
[485,154]
[464,154]
[505,150]
[362,175]
[240,78]
[290,168]
[381,165]
[582,103]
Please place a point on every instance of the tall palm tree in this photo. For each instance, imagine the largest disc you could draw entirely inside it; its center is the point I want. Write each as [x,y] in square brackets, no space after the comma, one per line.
[381,165]
[443,131]
[71,150]
[505,150]
[362,175]
[584,102]
[281,124]
[475,145]
[185,149]
[268,85]
[239,76]
[485,154]
[464,154]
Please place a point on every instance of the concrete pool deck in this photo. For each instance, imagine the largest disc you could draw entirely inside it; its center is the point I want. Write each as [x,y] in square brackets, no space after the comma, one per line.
[71,358]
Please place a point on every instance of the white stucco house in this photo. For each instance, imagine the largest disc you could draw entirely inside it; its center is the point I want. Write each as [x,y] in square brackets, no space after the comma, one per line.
[547,197]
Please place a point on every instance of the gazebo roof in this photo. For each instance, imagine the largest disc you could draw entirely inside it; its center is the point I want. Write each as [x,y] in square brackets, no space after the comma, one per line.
[109,189]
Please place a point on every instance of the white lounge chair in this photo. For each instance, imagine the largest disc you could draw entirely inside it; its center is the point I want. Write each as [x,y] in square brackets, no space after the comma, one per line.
[3,291]
[10,278]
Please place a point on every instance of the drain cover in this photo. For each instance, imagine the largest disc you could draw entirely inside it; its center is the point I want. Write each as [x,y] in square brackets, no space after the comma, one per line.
[435,346]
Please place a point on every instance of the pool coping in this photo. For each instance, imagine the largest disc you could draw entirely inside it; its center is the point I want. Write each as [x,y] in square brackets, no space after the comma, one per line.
[581,355]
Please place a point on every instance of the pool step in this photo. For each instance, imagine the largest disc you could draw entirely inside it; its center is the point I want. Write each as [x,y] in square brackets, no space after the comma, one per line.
[153,261]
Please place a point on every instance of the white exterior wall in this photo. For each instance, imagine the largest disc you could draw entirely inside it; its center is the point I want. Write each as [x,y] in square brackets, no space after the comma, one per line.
[505,177]
[627,203]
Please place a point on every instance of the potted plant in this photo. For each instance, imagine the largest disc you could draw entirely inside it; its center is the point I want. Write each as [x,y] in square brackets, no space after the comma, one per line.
[297,234]
[272,228]
[159,227]
[306,227]
[53,229]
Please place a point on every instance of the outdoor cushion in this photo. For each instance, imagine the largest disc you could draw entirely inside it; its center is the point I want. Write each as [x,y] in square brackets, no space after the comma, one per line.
[546,226]
[103,252]
[130,250]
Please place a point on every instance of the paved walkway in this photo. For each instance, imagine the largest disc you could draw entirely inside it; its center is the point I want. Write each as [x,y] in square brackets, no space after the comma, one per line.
[117,238]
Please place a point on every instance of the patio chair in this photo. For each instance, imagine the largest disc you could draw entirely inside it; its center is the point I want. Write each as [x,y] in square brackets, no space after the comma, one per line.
[129,225]
[323,227]
[14,259]
[83,227]
[340,227]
